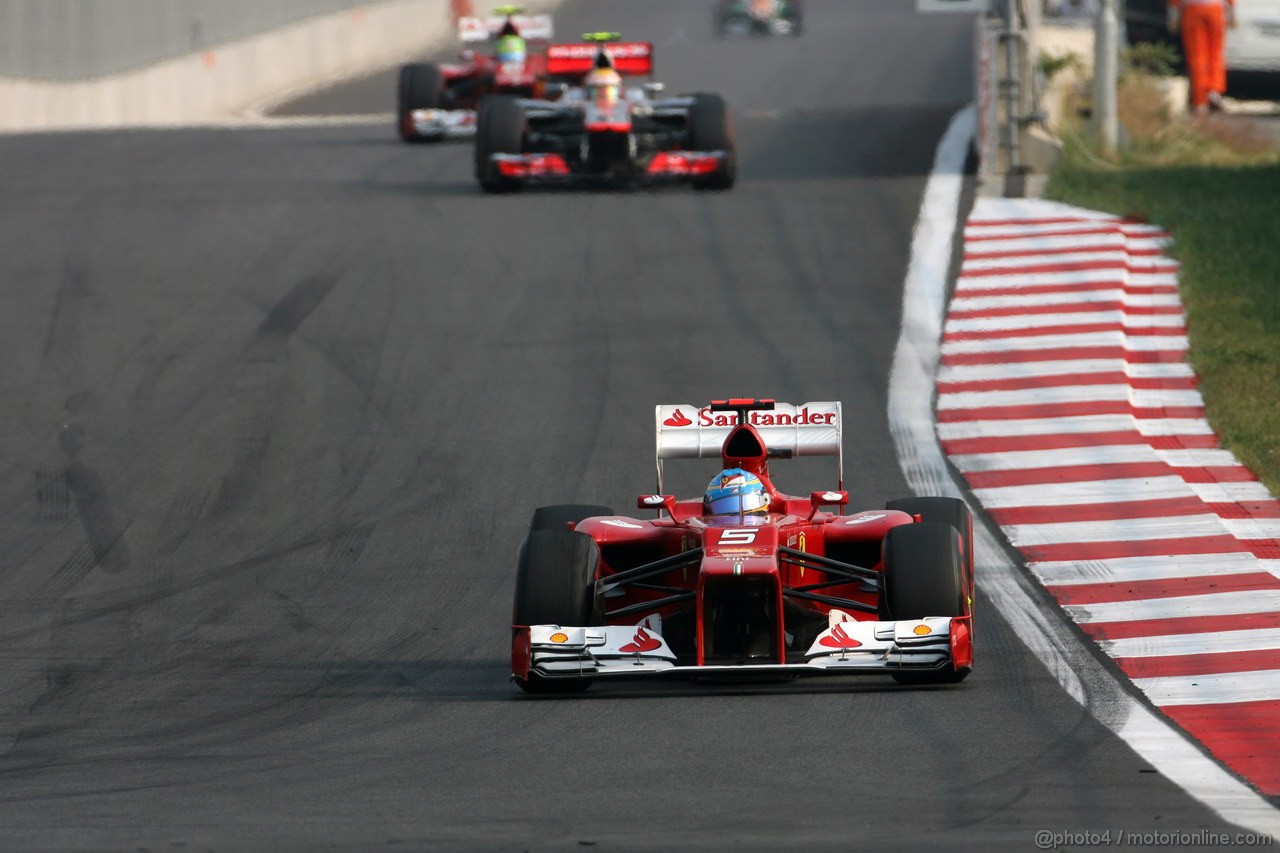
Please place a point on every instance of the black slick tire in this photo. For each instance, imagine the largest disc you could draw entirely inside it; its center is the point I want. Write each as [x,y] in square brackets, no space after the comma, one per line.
[560,516]
[711,129]
[421,88]
[555,585]
[500,129]
[924,576]
[952,511]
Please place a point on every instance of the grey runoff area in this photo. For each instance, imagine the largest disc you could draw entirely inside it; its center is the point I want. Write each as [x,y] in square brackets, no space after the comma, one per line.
[69,40]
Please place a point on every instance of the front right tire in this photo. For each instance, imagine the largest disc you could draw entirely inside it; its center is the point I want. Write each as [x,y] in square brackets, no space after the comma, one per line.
[711,129]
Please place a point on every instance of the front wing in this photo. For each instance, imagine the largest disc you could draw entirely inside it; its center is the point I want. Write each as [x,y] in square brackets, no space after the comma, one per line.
[845,648]
[552,168]
[443,124]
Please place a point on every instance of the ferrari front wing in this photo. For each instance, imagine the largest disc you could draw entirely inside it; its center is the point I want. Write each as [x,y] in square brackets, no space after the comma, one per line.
[443,124]
[846,647]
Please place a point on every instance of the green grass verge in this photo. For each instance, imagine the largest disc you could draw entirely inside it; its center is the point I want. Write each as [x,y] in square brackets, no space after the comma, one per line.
[1225,221]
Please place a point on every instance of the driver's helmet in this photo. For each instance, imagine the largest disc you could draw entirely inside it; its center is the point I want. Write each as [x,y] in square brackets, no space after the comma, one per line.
[511,49]
[735,492]
[603,84]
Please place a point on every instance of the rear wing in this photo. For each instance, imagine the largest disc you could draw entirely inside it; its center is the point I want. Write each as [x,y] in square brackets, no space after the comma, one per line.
[631,58]
[788,431]
[531,27]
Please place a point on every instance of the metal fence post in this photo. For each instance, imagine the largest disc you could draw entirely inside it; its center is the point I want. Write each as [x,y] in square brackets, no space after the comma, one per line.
[1105,74]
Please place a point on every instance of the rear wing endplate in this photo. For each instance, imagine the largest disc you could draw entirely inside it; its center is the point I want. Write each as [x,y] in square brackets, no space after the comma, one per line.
[788,431]
[531,27]
[630,58]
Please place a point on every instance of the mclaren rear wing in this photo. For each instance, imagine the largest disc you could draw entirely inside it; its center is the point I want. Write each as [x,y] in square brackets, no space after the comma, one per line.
[629,58]
[807,429]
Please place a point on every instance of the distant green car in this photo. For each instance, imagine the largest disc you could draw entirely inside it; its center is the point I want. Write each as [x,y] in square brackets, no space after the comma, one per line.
[759,18]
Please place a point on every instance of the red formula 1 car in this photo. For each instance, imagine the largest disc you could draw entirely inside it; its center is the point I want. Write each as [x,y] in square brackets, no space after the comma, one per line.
[438,101]
[746,580]
[599,131]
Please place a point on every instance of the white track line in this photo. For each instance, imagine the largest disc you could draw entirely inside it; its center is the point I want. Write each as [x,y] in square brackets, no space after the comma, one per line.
[1085,492]
[1002,582]
[1080,424]
[1122,569]
[1213,688]
[1252,640]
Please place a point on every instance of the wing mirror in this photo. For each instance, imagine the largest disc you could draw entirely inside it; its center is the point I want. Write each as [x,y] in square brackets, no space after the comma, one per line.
[554,91]
[467,55]
[659,502]
[653,88]
[817,500]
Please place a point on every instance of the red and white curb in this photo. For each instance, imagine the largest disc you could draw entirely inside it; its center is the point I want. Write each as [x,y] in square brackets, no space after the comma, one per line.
[1065,399]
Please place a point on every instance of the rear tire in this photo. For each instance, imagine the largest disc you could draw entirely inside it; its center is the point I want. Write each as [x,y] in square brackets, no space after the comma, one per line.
[924,576]
[560,516]
[500,129]
[555,585]
[421,88]
[711,129]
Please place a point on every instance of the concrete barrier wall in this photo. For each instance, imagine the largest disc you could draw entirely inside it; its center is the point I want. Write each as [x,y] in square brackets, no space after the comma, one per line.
[67,40]
[220,83]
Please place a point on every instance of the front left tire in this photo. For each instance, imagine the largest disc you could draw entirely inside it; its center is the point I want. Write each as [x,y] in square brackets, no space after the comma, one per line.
[924,576]
[555,585]
[421,88]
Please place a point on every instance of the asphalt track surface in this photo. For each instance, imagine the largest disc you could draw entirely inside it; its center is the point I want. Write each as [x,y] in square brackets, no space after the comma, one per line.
[279,404]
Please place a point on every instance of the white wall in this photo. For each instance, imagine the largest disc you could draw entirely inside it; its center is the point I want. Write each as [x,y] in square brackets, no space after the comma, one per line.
[223,82]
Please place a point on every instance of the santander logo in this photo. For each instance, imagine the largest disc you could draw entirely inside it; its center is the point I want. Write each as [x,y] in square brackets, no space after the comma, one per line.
[837,639]
[643,641]
[677,419]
